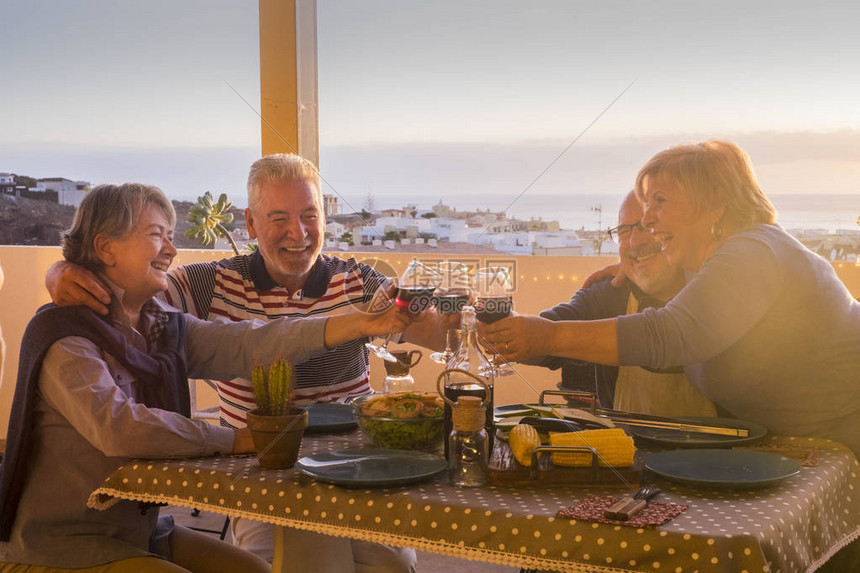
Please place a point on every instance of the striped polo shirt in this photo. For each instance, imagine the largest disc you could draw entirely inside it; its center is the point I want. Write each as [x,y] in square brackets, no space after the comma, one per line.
[240,288]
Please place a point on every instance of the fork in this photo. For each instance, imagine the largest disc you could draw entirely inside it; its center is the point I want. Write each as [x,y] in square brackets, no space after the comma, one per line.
[628,506]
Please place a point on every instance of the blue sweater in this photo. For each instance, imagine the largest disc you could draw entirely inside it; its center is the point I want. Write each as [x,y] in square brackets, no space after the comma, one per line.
[766,330]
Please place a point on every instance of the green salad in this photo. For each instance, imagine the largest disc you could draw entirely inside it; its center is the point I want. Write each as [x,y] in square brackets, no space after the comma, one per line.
[403,420]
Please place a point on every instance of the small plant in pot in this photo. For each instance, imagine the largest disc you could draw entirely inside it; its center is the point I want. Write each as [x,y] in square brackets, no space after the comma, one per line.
[276,426]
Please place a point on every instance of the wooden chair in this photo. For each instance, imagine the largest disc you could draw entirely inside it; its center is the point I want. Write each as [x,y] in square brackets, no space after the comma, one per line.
[211,413]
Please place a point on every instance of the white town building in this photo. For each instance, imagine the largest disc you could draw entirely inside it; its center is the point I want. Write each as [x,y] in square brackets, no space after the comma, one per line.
[68,192]
[532,243]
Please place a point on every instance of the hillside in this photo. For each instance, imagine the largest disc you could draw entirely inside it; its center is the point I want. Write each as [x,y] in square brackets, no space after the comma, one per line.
[32,222]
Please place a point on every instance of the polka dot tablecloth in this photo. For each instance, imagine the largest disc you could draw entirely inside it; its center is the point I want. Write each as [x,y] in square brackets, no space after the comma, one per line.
[792,526]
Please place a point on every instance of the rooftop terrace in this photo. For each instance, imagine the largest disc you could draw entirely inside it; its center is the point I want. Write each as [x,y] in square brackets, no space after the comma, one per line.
[541,282]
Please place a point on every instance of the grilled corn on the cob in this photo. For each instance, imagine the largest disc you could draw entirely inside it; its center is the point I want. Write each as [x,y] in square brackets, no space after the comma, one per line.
[614,447]
[523,440]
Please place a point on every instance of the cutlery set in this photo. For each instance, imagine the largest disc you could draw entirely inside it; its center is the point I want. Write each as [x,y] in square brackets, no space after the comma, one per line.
[628,506]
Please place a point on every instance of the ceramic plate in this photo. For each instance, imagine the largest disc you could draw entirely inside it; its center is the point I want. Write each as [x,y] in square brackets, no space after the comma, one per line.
[371,467]
[681,439]
[722,468]
[325,418]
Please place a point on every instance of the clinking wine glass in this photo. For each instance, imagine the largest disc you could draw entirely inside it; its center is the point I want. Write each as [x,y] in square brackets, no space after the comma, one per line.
[382,300]
[452,295]
[414,295]
[494,302]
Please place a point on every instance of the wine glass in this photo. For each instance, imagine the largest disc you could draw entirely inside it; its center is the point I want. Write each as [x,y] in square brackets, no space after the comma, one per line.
[452,295]
[494,302]
[414,295]
[382,300]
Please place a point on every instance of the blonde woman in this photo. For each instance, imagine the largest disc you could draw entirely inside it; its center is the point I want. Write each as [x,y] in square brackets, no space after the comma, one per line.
[764,326]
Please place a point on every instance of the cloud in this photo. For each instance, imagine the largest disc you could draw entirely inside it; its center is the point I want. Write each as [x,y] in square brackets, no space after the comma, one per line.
[503,170]
[491,174]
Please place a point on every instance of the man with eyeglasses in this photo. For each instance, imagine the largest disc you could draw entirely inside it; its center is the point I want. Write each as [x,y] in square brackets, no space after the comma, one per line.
[652,282]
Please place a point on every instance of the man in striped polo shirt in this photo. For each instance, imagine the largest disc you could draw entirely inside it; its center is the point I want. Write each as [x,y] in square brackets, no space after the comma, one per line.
[286,276]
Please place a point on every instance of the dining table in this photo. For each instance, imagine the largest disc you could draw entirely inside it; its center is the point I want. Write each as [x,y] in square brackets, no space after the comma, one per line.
[796,524]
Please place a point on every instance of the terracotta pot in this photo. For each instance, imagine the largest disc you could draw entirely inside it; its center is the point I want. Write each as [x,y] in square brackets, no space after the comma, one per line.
[277,438]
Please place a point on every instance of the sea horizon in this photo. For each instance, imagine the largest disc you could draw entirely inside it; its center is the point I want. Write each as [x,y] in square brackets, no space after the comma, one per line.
[590,212]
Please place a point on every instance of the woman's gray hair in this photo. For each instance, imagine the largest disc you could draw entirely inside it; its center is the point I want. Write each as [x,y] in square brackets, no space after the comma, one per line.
[714,174]
[281,168]
[111,210]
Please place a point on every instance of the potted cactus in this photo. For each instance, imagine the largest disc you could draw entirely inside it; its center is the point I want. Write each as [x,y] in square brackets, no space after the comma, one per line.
[276,426]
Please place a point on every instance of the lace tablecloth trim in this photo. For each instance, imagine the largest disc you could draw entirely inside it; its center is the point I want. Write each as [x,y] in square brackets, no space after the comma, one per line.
[105,497]
[834,550]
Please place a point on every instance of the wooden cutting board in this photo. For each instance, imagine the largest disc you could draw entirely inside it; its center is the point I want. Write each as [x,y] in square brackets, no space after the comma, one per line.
[506,470]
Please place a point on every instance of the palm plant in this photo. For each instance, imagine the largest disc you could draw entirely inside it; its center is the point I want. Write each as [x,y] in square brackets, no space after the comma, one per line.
[208,219]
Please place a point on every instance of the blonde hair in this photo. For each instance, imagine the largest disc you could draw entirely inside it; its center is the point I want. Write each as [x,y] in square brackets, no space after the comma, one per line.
[279,168]
[112,210]
[715,174]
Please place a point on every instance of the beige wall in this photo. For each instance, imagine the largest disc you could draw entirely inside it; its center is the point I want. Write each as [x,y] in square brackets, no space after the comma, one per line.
[542,282]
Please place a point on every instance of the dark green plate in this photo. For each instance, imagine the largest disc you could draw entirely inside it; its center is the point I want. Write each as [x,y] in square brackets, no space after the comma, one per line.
[325,418]
[722,468]
[371,467]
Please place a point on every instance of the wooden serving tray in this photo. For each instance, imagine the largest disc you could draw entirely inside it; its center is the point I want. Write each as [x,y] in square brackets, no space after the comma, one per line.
[506,470]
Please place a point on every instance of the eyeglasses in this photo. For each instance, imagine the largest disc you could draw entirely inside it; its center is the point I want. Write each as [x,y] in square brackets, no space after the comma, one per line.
[623,231]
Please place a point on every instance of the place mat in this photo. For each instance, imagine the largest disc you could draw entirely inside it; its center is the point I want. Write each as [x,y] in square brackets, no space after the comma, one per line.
[807,457]
[592,507]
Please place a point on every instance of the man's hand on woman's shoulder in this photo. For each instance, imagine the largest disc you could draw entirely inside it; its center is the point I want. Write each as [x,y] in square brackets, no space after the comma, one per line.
[70,284]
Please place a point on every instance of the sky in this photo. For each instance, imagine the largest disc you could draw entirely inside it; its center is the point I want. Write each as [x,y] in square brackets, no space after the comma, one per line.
[437,100]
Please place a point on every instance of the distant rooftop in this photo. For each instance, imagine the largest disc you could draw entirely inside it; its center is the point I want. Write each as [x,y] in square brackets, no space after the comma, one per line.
[448,248]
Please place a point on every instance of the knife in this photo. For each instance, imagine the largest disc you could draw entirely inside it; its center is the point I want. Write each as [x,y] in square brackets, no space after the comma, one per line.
[627,506]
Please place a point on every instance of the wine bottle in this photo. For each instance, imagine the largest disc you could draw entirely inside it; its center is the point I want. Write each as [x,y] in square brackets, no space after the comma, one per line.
[470,358]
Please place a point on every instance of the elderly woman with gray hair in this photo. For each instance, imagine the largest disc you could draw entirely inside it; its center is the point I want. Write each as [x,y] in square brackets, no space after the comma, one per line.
[94,391]
[764,327]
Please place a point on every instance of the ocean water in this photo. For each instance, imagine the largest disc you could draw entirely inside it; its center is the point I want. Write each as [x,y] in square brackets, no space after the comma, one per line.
[590,212]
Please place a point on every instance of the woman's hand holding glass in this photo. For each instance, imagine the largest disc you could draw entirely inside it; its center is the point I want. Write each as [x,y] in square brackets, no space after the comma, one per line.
[385,322]
[413,295]
[521,339]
